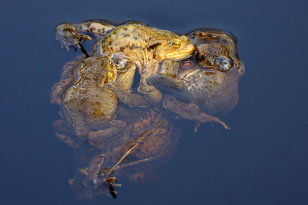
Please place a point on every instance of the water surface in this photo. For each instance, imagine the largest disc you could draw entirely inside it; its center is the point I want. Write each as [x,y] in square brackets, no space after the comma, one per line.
[261,160]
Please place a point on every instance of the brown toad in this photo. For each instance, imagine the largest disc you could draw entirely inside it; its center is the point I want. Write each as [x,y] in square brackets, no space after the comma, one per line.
[88,106]
[151,142]
[111,140]
[142,46]
[205,85]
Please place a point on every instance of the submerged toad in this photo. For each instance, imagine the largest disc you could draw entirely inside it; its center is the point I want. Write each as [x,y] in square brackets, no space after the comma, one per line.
[89,105]
[111,140]
[142,46]
[208,82]
[151,142]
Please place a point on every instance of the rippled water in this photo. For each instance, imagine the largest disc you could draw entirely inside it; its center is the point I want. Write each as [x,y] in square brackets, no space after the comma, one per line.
[261,160]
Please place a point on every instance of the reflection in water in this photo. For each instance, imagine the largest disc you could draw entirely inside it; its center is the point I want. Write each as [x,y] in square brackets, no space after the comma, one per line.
[119,130]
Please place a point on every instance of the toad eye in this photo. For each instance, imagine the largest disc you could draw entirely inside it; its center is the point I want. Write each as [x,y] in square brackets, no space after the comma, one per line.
[223,63]
[119,62]
[121,65]
[176,44]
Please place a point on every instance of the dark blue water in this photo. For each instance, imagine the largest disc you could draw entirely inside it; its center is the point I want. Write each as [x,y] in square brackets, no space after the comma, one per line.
[263,159]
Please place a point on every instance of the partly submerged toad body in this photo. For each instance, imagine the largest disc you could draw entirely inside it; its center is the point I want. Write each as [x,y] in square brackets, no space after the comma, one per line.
[138,45]
[111,140]
[208,82]
[88,105]
[116,140]
[151,141]
[146,47]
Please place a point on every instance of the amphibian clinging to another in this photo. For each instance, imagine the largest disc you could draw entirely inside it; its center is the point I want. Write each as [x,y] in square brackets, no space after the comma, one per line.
[145,47]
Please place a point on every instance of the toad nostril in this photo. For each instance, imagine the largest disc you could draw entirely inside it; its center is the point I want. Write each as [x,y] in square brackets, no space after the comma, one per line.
[200,57]
[184,38]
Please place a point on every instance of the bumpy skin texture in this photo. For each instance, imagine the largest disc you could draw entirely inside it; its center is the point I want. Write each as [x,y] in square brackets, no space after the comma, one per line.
[88,106]
[114,139]
[131,45]
[102,131]
[155,143]
[145,47]
[206,81]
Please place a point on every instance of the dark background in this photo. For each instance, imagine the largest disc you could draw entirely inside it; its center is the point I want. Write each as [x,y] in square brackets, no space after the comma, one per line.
[263,159]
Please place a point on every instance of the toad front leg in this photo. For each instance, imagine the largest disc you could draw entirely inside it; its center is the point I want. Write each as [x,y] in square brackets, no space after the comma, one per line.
[132,99]
[71,34]
[68,35]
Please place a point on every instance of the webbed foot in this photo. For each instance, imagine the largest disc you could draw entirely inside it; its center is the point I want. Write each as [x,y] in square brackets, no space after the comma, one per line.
[68,36]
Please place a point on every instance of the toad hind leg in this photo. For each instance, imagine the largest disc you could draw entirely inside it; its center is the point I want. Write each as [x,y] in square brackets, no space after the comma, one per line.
[190,111]
[203,118]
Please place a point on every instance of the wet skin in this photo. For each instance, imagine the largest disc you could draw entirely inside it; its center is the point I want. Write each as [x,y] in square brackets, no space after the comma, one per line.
[88,104]
[206,84]
[131,45]
[153,141]
[123,139]
[93,122]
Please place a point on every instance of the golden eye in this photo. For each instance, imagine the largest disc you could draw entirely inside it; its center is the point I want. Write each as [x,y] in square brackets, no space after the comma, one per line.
[176,44]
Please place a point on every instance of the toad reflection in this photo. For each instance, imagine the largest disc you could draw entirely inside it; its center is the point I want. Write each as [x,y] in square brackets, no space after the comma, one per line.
[118,131]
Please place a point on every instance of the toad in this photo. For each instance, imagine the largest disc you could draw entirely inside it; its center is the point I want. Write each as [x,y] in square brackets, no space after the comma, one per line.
[88,105]
[152,142]
[144,47]
[205,85]
[110,140]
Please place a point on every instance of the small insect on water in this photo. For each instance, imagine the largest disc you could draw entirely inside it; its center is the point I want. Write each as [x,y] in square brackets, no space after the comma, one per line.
[110,181]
